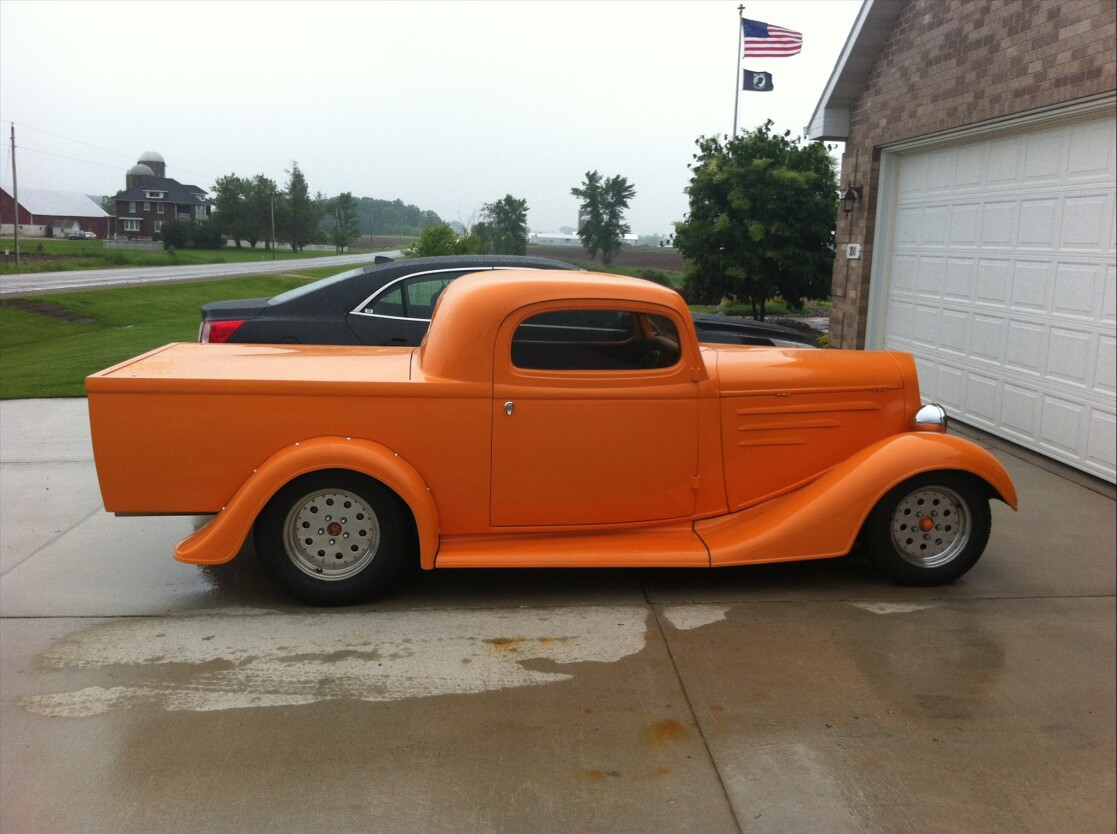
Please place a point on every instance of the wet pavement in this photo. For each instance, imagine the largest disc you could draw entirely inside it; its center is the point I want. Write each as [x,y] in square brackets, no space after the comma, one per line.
[138,694]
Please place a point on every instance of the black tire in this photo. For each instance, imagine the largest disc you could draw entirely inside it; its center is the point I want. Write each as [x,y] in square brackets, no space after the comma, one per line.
[930,529]
[334,537]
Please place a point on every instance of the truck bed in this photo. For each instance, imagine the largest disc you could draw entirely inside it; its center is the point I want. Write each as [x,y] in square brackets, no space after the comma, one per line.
[189,367]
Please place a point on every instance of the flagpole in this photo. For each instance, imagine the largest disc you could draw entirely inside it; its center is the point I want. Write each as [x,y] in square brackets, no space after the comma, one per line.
[737,68]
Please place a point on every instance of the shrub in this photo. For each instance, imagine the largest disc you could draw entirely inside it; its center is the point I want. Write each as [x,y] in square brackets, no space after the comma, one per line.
[204,234]
[175,234]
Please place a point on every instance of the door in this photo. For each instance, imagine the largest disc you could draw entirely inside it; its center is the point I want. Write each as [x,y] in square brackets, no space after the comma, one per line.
[595,418]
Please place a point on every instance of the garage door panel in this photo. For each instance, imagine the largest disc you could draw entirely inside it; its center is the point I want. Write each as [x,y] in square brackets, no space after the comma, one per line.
[1019,409]
[1001,280]
[929,279]
[1079,289]
[998,223]
[926,331]
[988,338]
[1091,154]
[951,385]
[954,332]
[960,279]
[1106,370]
[1061,425]
[1084,222]
[1068,356]
[1042,157]
[1031,284]
[982,400]
[1025,347]
[1102,446]
[1109,305]
[993,276]
[965,225]
[1039,224]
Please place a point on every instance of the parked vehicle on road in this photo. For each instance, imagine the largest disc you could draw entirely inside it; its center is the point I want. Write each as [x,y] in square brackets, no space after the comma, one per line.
[390,303]
[549,419]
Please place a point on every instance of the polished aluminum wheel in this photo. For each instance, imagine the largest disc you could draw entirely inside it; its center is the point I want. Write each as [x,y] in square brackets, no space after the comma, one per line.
[331,534]
[930,526]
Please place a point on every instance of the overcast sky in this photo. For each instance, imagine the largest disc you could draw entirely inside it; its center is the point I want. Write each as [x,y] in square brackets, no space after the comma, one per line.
[444,105]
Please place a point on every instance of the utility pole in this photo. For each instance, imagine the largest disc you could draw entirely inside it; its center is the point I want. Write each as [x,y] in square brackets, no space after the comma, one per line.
[15,193]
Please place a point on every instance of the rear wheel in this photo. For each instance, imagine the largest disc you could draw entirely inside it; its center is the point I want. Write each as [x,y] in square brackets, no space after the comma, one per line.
[333,538]
[930,529]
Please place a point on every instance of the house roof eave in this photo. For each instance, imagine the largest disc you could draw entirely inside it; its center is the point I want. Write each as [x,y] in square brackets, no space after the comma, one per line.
[870,31]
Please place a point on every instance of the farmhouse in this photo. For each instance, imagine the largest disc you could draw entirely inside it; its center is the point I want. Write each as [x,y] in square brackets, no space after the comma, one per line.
[44,213]
[977,229]
[150,199]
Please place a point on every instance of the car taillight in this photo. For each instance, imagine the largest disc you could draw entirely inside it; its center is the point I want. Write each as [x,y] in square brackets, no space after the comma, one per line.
[213,332]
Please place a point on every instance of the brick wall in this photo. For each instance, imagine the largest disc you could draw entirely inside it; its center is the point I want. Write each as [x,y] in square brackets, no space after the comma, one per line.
[952,63]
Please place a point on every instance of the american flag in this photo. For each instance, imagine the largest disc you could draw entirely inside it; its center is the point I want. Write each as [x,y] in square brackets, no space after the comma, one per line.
[763,40]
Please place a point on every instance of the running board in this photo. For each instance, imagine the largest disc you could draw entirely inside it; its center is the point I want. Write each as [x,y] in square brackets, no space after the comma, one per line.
[655,547]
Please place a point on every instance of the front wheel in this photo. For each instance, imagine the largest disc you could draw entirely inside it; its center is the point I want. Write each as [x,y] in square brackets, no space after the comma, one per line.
[333,537]
[930,529]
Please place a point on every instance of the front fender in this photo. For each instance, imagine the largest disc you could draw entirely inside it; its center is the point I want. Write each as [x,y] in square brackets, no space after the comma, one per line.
[823,518]
[220,540]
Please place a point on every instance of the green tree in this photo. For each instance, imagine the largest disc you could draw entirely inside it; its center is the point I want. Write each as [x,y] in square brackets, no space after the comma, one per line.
[343,214]
[761,220]
[502,229]
[300,213]
[231,213]
[602,226]
[258,199]
[442,240]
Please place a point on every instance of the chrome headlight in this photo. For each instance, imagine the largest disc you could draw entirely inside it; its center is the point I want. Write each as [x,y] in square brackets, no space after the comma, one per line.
[932,417]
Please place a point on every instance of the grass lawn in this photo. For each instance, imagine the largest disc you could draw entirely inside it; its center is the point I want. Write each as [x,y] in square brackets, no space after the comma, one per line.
[47,349]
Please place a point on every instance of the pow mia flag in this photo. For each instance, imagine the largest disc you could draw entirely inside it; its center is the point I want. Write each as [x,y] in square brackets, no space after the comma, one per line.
[757,82]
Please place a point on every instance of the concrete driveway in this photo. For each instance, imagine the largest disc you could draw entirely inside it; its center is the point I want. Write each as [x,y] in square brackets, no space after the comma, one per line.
[138,694]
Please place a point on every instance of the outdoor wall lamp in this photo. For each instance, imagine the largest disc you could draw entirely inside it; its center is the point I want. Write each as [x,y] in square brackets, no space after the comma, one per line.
[850,196]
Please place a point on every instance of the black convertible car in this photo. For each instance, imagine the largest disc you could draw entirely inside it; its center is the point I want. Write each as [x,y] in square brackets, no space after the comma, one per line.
[390,303]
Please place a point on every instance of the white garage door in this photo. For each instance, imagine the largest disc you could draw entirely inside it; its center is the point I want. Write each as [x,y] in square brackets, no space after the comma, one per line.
[999,276]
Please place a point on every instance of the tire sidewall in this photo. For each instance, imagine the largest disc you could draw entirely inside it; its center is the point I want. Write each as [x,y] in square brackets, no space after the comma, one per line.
[882,551]
[377,576]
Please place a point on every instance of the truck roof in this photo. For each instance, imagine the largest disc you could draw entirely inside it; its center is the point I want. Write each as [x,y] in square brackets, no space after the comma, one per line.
[472,309]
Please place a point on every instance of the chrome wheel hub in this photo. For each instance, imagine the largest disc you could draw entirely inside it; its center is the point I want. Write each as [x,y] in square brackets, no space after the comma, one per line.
[930,527]
[331,534]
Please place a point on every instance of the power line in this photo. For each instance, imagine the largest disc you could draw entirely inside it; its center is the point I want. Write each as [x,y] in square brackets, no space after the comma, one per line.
[95,147]
[69,139]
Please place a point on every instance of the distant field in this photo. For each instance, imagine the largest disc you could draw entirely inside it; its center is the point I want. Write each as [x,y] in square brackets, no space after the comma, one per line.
[641,257]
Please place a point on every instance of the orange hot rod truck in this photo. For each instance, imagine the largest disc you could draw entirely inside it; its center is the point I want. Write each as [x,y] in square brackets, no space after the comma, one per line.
[546,420]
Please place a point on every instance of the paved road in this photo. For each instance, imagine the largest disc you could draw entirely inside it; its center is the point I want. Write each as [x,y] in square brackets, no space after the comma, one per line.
[139,694]
[41,282]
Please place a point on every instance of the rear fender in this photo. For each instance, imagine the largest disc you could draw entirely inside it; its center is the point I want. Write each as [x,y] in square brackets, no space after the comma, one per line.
[220,540]
[824,518]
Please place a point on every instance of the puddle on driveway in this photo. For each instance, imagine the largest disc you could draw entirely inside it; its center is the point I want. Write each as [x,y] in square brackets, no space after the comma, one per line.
[238,659]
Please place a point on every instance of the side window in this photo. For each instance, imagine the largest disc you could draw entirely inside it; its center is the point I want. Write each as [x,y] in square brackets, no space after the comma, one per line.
[414,297]
[422,293]
[595,340]
[388,304]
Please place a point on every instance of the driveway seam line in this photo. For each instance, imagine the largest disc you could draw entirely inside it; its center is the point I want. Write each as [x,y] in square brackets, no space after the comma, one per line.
[694,715]
[48,543]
